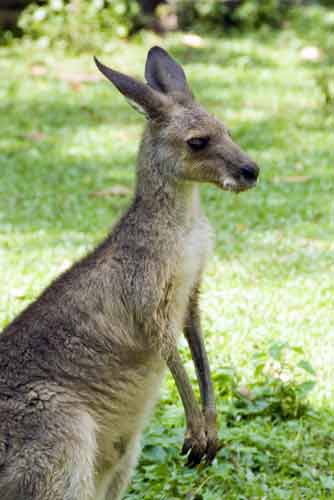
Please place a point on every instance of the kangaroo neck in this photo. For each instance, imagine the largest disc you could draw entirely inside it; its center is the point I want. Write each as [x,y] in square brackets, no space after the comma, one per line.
[177,203]
[158,189]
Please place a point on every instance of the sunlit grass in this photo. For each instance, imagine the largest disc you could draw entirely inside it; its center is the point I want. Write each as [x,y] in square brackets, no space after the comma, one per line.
[271,277]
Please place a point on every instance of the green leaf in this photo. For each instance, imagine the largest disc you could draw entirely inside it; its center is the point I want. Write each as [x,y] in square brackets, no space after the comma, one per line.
[155,454]
[297,349]
[327,482]
[276,349]
[305,365]
[306,387]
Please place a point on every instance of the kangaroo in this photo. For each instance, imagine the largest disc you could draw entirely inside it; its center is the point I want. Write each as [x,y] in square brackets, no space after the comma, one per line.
[82,365]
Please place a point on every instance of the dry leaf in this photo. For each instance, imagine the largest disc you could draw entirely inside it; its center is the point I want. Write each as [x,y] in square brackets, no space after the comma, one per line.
[245,392]
[116,190]
[76,86]
[311,53]
[293,179]
[192,40]
[35,136]
[241,227]
[37,70]
[78,78]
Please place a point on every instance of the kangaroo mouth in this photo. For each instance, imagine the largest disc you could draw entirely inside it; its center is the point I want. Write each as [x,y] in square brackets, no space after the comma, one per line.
[236,186]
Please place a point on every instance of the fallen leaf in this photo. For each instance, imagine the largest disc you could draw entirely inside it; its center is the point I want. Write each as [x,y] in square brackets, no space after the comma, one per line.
[37,70]
[116,190]
[78,78]
[293,179]
[241,227]
[192,40]
[76,86]
[311,53]
[245,392]
[35,136]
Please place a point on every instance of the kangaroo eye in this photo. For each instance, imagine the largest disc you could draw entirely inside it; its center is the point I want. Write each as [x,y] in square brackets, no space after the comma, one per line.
[198,143]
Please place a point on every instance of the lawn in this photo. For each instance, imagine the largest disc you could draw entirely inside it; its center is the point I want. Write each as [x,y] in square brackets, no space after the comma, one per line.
[267,303]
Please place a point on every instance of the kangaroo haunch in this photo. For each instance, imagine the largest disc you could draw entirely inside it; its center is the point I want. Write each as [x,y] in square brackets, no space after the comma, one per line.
[80,368]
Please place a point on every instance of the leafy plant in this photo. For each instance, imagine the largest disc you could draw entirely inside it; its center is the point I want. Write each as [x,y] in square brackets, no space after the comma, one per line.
[254,14]
[78,24]
[282,381]
[237,13]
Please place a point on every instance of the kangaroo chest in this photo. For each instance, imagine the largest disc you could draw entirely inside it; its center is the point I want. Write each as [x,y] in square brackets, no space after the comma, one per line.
[195,248]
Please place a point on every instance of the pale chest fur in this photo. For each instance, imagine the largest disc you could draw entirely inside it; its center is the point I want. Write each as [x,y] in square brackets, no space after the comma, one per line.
[194,252]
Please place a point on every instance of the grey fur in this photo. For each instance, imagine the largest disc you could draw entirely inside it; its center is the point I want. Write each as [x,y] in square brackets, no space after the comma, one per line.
[81,366]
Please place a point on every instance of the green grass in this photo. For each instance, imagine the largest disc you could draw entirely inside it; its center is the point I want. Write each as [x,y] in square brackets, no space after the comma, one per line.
[270,281]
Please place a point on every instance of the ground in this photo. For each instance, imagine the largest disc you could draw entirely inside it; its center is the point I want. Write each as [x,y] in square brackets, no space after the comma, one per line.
[267,299]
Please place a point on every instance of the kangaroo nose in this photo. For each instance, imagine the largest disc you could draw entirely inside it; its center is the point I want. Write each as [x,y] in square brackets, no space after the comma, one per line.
[249,172]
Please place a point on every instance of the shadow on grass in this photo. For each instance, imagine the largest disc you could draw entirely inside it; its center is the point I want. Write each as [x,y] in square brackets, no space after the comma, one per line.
[46,114]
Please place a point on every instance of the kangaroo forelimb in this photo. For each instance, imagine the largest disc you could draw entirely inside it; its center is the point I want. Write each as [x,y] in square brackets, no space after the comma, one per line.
[193,334]
[195,438]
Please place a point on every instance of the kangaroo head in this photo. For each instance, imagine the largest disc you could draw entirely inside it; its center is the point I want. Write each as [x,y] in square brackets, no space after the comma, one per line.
[196,145]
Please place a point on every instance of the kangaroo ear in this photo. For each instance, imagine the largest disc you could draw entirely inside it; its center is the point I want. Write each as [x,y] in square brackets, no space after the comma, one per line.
[164,74]
[142,97]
